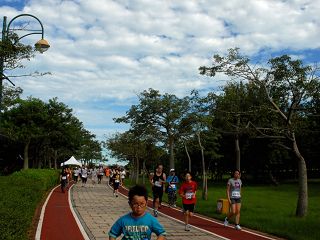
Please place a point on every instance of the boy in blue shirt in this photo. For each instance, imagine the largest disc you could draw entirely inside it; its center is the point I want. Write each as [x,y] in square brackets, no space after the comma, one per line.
[138,224]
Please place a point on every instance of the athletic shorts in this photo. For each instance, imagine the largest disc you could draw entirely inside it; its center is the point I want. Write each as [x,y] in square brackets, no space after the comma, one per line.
[157,193]
[235,200]
[188,207]
[116,185]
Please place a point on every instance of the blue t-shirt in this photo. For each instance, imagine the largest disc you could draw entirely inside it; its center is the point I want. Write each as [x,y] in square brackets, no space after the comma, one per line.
[136,228]
[173,179]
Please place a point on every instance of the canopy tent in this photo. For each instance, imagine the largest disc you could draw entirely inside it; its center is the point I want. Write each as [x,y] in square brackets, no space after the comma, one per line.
[71,161]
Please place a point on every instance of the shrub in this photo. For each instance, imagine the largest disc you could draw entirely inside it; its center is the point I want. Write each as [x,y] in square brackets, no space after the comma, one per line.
[20,195]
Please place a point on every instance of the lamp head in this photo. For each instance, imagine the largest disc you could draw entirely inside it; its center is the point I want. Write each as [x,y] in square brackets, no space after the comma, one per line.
[42,45]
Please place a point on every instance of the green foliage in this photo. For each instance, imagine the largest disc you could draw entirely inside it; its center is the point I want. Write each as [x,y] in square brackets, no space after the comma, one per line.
[21,193]
[13,52]
[157,118]
[11,95]
[49,129]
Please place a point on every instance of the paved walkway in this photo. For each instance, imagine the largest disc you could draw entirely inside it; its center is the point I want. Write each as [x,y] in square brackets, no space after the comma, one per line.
[97,209]
[88,213]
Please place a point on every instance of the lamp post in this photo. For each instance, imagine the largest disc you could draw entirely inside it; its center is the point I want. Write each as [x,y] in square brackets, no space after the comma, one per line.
[42,45]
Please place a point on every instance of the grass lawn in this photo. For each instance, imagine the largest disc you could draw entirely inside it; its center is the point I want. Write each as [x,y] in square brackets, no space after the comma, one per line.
[21,194]
[269,209]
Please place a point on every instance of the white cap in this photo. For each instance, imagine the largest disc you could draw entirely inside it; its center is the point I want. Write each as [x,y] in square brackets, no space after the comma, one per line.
[172,170]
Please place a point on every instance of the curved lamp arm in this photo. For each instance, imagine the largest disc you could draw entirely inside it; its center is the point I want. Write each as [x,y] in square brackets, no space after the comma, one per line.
[42,45]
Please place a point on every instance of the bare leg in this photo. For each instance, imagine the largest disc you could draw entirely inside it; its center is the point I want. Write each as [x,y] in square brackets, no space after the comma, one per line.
[237,212]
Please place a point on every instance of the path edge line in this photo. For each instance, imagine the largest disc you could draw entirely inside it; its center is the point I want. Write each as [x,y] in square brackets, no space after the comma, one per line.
[83,232]
[43,209]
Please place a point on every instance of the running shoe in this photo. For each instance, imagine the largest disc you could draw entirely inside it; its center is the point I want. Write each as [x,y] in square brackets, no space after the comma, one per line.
[155,213]
[226,223]
[237,227]
[187,227]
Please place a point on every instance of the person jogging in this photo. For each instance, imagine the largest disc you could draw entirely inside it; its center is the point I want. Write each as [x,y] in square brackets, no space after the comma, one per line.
[138,224]
[157,180]
[234,196]
[188,191]
[63,179]
[116,179]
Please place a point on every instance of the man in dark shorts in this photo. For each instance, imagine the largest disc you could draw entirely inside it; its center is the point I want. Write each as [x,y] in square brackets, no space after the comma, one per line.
[157,180]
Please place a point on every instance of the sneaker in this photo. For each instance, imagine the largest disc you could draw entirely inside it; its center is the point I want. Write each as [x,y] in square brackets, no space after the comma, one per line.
[237,227]
[116,195]
[226,223]
[155,213]
[174,205]
[187,227]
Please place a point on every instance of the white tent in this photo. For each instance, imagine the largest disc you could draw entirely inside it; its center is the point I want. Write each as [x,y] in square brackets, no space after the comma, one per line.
[71,161]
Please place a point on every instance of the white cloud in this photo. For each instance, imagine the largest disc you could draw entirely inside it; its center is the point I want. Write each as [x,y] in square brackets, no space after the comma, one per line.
[103,53]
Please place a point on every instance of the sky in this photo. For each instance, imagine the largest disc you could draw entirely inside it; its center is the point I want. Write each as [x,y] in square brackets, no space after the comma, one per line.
[104,53]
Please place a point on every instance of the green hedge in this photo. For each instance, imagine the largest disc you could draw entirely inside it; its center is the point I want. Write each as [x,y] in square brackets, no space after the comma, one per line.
[20,195]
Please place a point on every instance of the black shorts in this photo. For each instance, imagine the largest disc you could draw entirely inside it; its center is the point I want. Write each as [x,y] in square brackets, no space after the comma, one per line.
[157,193]
[188,207]
[235,200]
[116,185]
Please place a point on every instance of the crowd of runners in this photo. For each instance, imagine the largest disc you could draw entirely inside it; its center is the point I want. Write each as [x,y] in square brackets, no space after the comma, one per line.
[114,176]
[161,184]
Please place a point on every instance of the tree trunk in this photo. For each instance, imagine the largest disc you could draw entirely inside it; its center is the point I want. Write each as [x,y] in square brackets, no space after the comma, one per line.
[302,204]
[237,149]
[144,172]
[137,170]
[55,159]
[26,155]
[204,176]
[49,161]
[171,145]
[189,159]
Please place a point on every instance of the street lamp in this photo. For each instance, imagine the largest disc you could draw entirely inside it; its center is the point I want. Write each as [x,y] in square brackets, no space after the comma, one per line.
[42,45]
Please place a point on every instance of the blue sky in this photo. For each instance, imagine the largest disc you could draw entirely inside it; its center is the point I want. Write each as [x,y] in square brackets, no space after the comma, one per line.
[103,53]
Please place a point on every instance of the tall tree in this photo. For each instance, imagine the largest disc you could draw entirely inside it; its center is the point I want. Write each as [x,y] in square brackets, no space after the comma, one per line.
[234,108]
[287,86]
[64,131]
[25,122]
[201,119]
[129,147]
[158,116]
[12,54]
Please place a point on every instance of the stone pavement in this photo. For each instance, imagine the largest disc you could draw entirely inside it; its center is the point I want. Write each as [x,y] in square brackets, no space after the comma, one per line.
[98,209]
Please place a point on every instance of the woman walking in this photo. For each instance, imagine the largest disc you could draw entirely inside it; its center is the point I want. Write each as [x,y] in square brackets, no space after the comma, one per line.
[234,196]
[172,181]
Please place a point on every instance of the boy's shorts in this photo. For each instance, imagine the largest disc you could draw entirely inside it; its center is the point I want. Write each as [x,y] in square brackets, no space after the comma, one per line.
[188,207]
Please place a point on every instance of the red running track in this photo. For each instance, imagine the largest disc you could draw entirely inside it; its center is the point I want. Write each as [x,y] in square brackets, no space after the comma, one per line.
[210,225]
[59,222]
